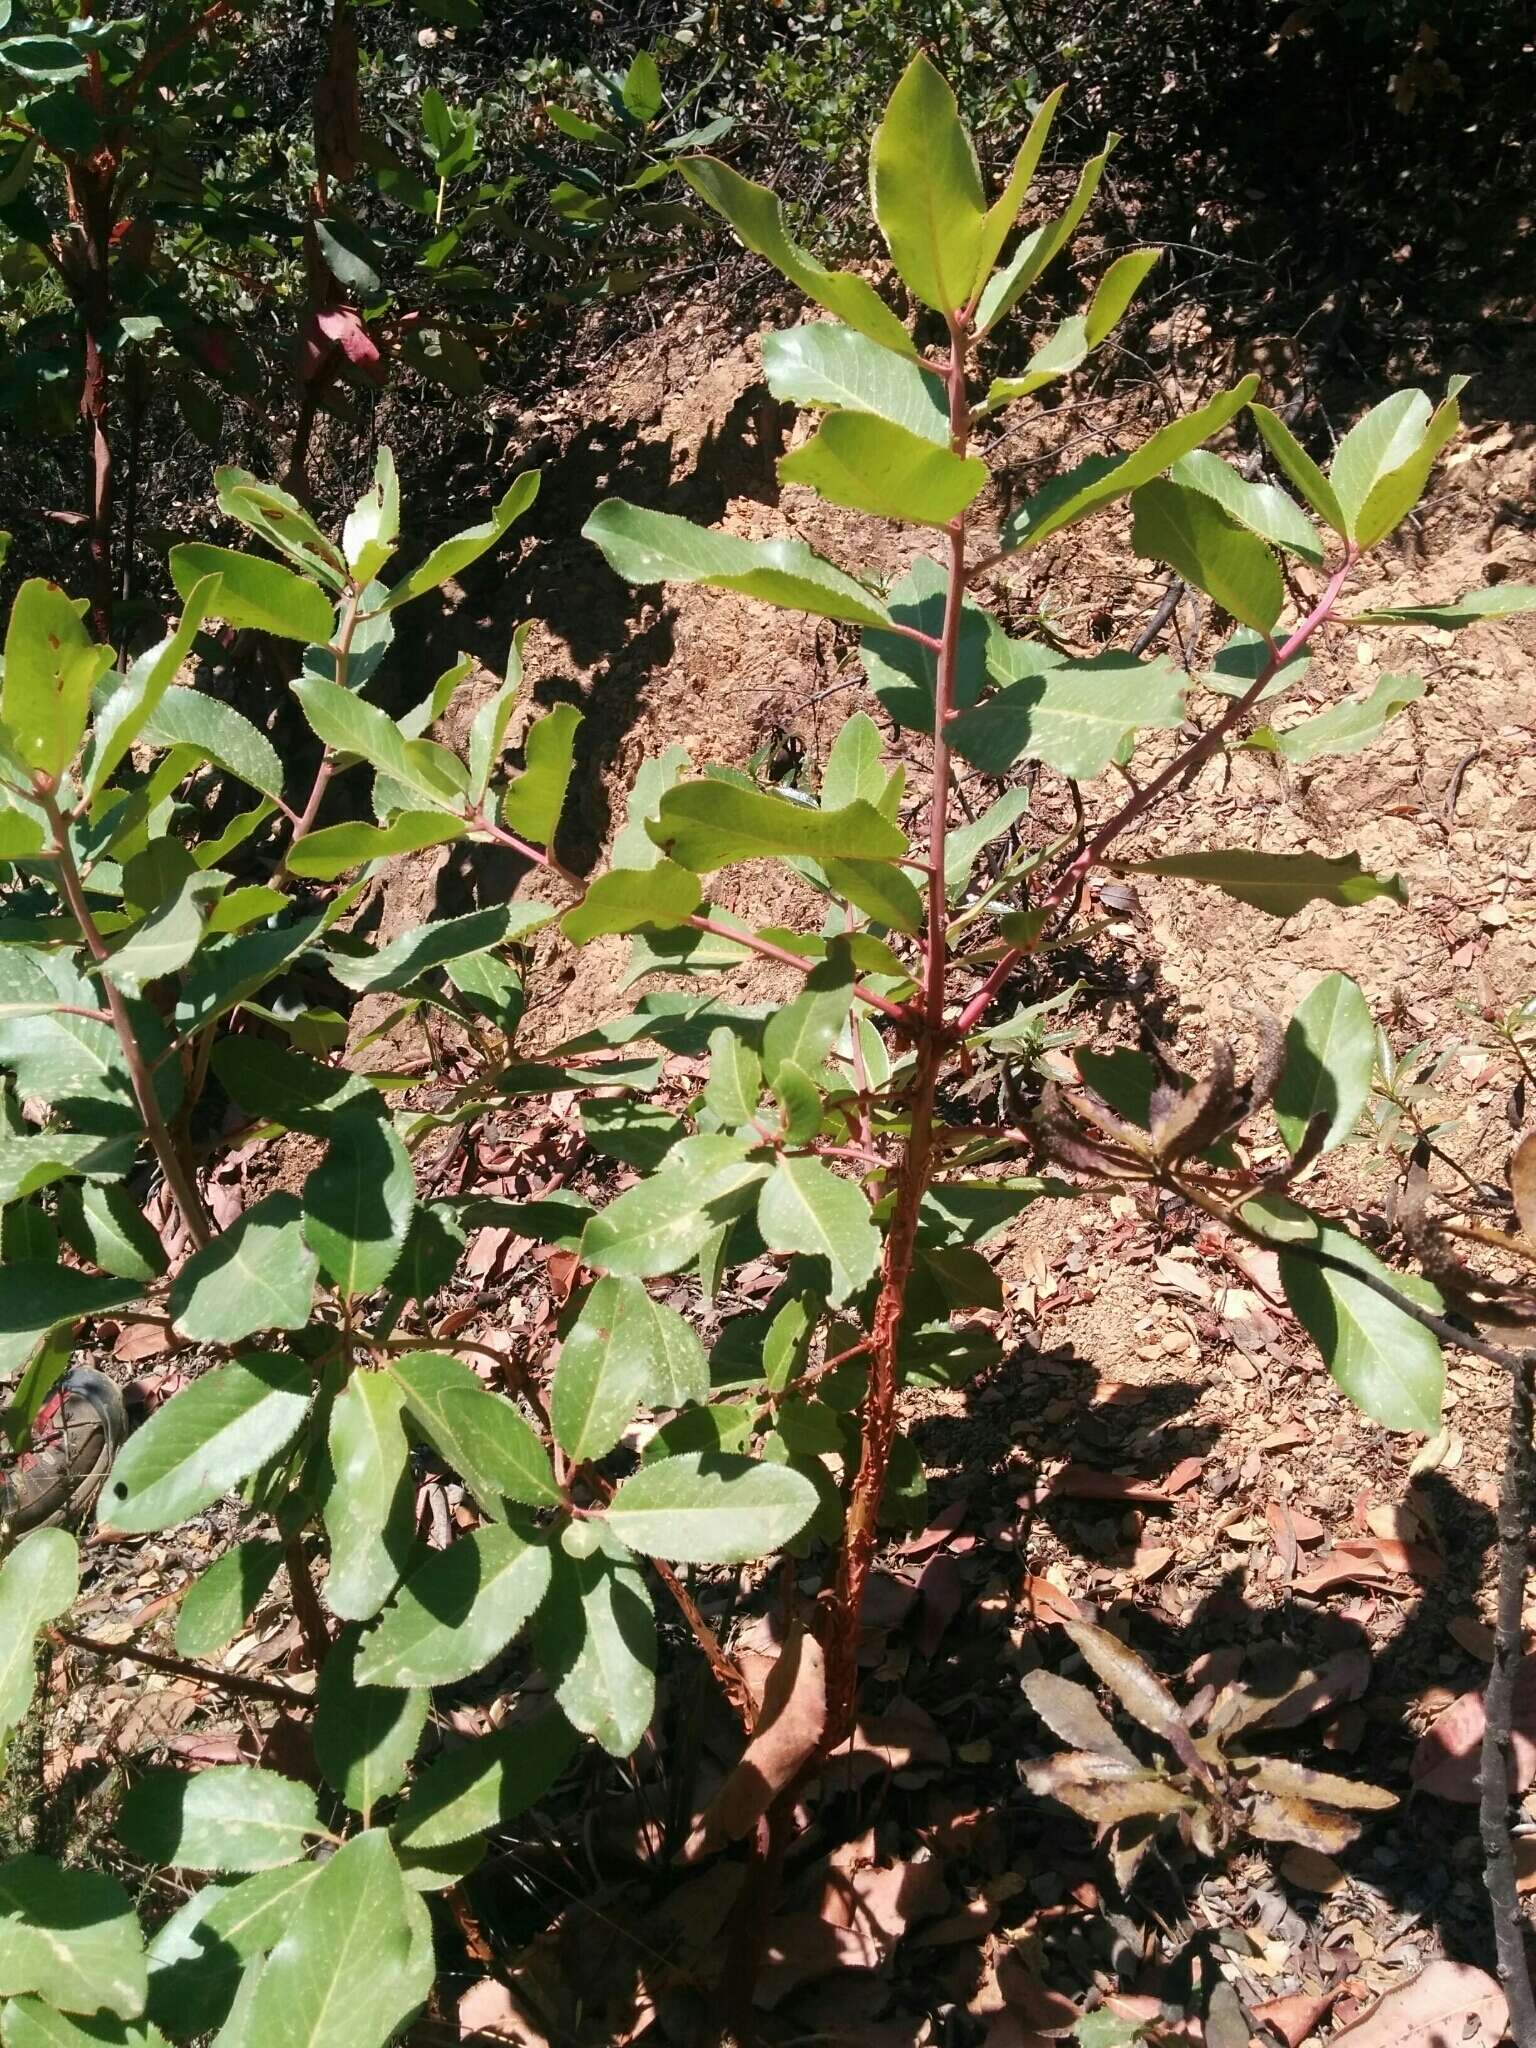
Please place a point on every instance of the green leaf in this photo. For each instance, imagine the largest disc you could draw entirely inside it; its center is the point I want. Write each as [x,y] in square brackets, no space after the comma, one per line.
[1377,455]
[335,848]
[883,892]
[600,1378]
[1262,508]
[221,1600]
[197,1956]
[902,670]
[964,843]
[629,899]
[1202,543]
[44,60]
[659,547]
[1115,291]
[855,768]
[804,1030]
[753,211]
[1004,210]
[799,1103]
[351,1971]
[1281,883]
[165,940]
[70,1937]
[349,724]
[458,1609]
[658,1226]
[1102,479]
[452,557]
[595,1638]
[1298,467]
[106,1226]
[708,824]
[633,847]
[486,1783]
[532,804]
[1075,717]
[806,1207]
[230,970]
[276,516]
[481,1435]
[40,1295]
[622,1349]
[36,1161]
[735,1083]
[707,1507]
[37,1584]
[51,667]
[415,953]
[867,464]
[636,1132]
[350,255]
[28,2023]
[1039,248]
[824,365]
[641,90]
[1079,334]
[1497,601]
[205,1440]
[372,530]
[222,1817]
[133,700]
[370,1510]
[253,592]
[1330,1058]
[1343,728]
[275,1083]
[358,1204]
[926,189]
[188,718]
[1389,1365]
[258,1275]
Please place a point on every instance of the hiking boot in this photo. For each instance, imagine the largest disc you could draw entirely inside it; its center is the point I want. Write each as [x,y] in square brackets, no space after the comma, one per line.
[78,1432]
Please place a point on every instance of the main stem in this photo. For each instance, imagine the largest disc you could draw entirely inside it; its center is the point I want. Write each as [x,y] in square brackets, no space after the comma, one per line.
[1515,1501]
[178,1175]
[915,1163]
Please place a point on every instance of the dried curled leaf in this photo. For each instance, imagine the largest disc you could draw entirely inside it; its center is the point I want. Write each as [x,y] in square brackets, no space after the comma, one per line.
[1071,1712]
[1139,1691]
[1185,1125]
[1276,1819]
[1292,1780]
[1099,1790]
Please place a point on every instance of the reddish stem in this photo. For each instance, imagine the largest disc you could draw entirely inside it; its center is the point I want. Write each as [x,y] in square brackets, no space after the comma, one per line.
[878,1422]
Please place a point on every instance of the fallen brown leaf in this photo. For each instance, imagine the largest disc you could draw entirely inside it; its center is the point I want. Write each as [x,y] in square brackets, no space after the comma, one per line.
[789,1728]
[1311,1870]
[1084,1482]
[1448,1757]
[1296,2015]
[1437,2010]
[1046,1604]
[802,1948]
[1522,1183]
